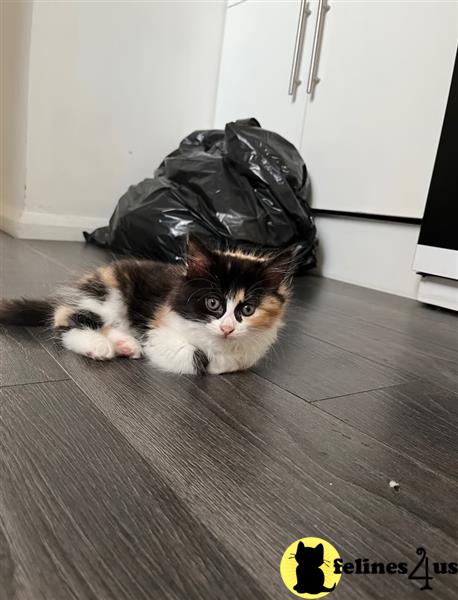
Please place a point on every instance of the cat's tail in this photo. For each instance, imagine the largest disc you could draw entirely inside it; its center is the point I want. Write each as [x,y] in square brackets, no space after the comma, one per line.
[25,312]
[325,589]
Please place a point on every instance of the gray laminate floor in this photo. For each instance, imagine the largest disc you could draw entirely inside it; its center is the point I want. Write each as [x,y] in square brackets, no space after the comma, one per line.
[121,482]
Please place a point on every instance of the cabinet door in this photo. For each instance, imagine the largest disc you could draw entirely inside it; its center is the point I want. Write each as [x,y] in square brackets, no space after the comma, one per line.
[256,62]
[373,125]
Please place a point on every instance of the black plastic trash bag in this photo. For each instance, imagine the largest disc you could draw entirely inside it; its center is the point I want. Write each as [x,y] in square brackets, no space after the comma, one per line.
[243,184]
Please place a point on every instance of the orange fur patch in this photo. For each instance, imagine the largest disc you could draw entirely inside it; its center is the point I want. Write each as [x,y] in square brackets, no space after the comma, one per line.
[62,315]
[242,255]
[268,312]
[87,278]
[160,315]
[239,297]
[284,291]
[107,275]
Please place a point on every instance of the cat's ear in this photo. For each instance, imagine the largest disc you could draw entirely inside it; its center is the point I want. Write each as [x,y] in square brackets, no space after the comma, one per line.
[320,551]
[300,546]
[198,257]
[279,270]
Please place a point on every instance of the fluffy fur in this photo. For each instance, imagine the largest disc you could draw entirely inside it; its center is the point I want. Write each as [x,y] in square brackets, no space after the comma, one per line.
[219,313]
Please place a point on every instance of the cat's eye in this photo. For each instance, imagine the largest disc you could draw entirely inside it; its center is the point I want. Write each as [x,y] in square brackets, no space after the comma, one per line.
[213,303]
[248,309]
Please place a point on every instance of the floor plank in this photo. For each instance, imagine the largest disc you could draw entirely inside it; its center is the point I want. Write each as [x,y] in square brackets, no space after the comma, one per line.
[261,468]
[24,272]
[6,567]
[378,306]
[22,360]
[72,256]
[418,321]
[314,370]
[419,419]
[411,357]
[86,518]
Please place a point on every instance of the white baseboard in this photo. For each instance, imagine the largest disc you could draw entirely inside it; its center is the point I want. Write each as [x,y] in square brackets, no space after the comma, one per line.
[439,291]
[373,254]
[47,226]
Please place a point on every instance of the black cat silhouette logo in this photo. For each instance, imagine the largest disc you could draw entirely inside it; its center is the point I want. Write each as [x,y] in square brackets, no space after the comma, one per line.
[307,568]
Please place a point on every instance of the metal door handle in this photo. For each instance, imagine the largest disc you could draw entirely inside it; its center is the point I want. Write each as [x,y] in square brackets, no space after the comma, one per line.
[316,40]
[293,80]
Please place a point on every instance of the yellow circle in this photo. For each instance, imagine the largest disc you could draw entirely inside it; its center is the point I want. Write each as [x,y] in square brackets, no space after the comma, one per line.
[307,568]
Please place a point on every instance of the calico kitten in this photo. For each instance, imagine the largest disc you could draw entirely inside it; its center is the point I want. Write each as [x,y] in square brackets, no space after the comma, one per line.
[219,313]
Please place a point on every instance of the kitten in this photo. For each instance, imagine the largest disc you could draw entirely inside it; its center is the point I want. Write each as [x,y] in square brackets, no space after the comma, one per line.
[219,313]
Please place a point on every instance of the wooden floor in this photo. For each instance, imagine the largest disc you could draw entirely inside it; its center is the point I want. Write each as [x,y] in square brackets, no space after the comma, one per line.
[121,482]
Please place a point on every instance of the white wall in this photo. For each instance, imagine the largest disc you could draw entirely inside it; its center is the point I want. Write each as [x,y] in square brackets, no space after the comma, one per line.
[114,86]
[374,254]
[15,24]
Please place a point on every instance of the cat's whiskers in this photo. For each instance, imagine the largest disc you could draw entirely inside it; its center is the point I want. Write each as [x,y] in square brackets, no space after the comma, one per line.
[212,283]
[257,286]
[202,291]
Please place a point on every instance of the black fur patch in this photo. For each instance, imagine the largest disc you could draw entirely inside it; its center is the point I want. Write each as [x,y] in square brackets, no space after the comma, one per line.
[94,287]
[200,361]
[25,312]
[145,286]
[86,319]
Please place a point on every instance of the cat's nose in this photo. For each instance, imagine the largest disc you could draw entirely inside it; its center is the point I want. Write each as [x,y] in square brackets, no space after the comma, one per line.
[226,329]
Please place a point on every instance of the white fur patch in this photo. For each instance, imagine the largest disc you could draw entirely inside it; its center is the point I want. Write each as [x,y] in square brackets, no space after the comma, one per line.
[88,343]
[228,319]
[112,309]
[171,346]
[170,351]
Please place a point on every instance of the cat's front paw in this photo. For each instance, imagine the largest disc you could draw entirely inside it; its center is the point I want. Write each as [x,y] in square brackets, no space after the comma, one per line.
[169,352]
[223,364]
[124,343]
[128,347]
[88,343]
[102,350]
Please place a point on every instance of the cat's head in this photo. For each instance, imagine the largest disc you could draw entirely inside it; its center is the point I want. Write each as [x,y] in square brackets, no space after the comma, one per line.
[307,555]
[233,292]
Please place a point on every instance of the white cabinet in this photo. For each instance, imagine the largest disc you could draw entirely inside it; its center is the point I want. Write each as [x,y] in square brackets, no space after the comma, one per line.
[255,67]
[369,133]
